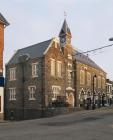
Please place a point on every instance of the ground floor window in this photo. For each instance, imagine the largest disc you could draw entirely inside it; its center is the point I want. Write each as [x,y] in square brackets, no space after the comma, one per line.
[32,90]
[56,91]
[12,93]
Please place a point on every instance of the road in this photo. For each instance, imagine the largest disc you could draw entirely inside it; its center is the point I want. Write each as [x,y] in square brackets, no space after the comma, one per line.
[82,125]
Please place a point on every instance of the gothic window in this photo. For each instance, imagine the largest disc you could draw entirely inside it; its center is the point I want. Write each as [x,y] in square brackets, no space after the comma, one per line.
[95,81]
[32,90]
[88,79]
[12,74]
[103,83]
[34,69]
[52,67]
[59,68]
[82,77]
[12,93]
[99,81]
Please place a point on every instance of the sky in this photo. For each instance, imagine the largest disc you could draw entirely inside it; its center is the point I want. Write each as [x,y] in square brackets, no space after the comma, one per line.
[34,21]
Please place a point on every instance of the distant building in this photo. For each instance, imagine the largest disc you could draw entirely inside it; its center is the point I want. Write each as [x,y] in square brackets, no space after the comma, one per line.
[109,91]
[3,24]
[50,74]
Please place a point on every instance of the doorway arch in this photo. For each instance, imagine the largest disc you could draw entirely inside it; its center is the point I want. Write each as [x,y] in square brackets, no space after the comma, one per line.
[71,99]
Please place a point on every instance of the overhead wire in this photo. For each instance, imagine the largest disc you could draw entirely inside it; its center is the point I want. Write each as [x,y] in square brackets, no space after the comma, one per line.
[94,50]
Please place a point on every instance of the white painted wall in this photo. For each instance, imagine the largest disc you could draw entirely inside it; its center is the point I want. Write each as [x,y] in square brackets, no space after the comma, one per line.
[2,99]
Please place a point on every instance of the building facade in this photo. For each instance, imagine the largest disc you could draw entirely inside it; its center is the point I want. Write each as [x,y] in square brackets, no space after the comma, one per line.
[47,75]
[3,24]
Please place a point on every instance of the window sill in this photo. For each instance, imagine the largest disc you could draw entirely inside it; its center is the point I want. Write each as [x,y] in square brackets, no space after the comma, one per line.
[33,99]
[35,76]
[12,99]
[12,80]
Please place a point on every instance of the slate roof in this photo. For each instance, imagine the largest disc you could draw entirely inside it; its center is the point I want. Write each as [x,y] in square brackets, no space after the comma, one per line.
[86,60]
[33,51]
[3,20]
[38,50]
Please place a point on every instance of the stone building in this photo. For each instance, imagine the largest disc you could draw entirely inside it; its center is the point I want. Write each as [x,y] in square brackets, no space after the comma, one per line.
[48,74]
[3,24]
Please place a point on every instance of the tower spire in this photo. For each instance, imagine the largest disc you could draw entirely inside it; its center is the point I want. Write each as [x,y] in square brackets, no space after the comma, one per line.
[65,29]
[65,34]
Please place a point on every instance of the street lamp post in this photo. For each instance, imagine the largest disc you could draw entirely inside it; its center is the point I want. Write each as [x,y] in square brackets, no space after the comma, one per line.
[111,39]
[93,104]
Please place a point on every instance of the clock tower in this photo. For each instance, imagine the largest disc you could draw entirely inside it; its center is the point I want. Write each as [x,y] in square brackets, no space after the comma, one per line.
[65,35]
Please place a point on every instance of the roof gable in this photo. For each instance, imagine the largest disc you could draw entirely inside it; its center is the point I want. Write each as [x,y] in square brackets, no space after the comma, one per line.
[3,20]
[33,51]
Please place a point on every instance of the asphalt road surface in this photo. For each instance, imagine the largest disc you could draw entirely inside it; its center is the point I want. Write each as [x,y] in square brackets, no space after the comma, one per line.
[82,125]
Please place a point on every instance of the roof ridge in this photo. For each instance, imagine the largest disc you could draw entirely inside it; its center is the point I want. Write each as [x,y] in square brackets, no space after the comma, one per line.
[89,59]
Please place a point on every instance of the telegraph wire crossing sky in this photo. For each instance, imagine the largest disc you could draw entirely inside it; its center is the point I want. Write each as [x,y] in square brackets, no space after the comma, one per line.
[31,22]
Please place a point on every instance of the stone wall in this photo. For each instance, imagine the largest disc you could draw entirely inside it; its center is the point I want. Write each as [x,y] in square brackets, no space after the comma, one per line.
[38,113]
[22,93]
[54,52]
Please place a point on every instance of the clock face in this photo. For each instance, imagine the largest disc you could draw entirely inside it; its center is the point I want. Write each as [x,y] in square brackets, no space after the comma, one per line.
[63,40]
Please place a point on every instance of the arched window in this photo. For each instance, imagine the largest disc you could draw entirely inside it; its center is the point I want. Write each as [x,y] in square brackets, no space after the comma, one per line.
[95,82]
[82,77]
[103,83]
[88,79]
[99,82]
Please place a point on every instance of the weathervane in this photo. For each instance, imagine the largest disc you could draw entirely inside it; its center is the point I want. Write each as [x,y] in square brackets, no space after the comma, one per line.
[65,14]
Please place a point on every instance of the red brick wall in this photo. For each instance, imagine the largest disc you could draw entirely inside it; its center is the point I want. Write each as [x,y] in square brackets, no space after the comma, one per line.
[1,47]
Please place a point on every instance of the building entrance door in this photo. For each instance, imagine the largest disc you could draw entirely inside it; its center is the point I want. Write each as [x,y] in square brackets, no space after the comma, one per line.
[71,99]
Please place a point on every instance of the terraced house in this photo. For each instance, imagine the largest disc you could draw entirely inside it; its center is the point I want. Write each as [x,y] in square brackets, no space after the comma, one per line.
[50,74]
[3,24]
